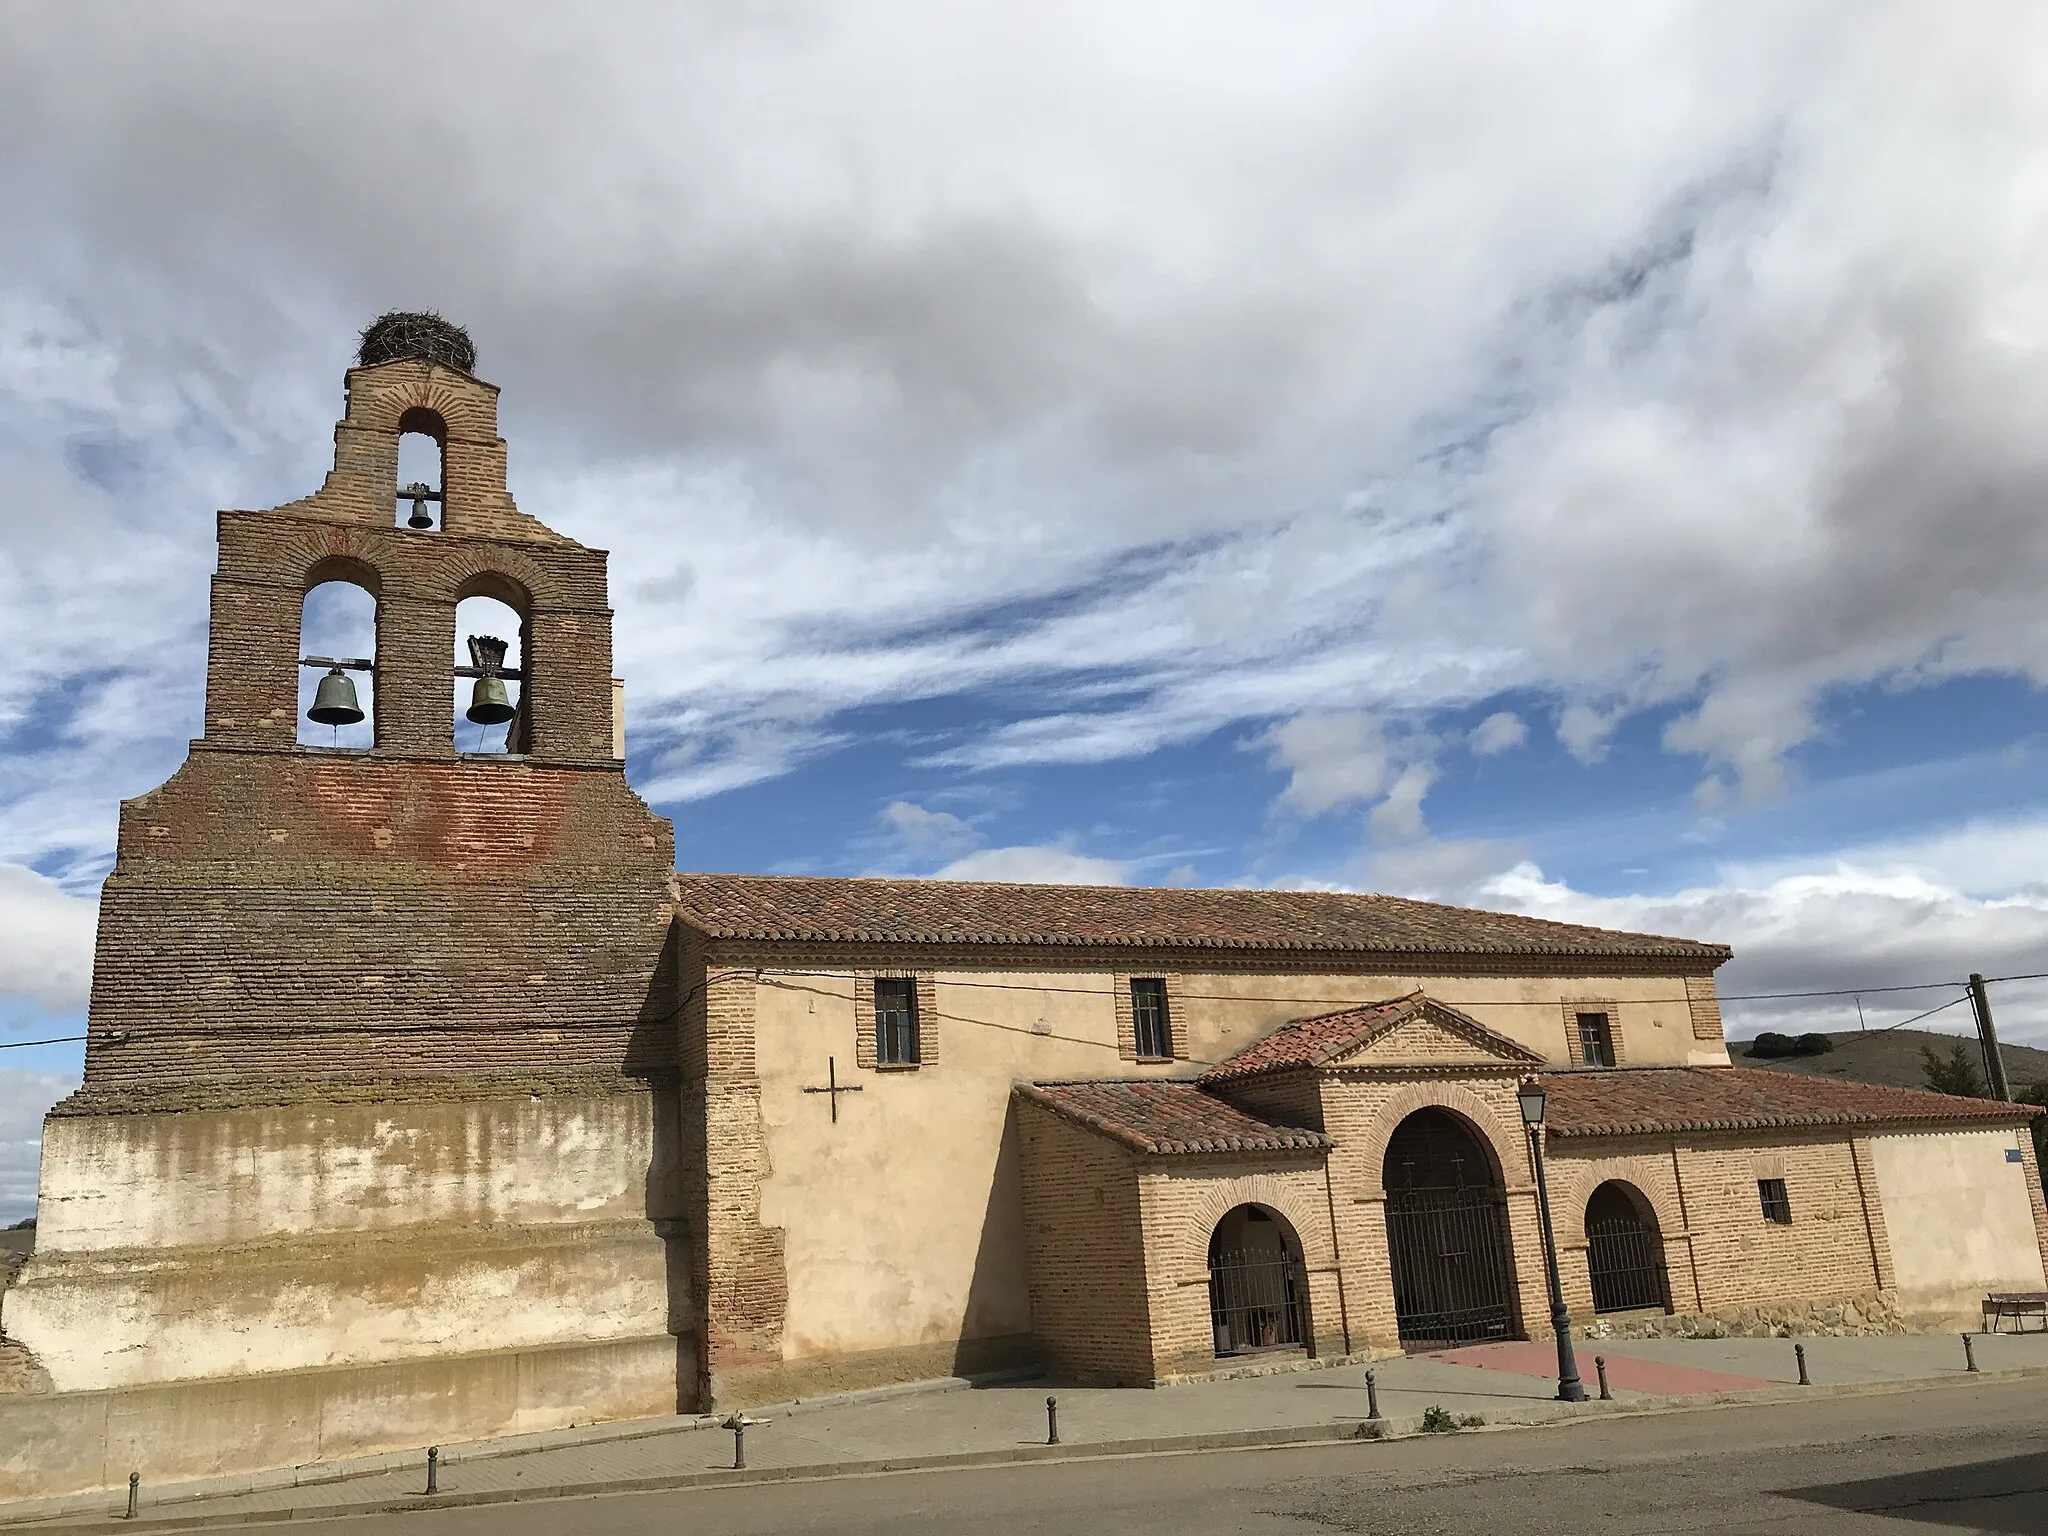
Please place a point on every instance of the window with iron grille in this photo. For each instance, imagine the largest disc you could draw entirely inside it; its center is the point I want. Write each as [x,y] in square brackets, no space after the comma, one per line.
[1149,1021]
[895,1022]
[1777,1204]
[1596,1040]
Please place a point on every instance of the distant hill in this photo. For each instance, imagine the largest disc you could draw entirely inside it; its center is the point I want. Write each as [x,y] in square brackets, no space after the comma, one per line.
[1892,1057]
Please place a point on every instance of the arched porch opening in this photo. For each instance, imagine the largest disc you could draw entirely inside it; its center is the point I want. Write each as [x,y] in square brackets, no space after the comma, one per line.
[1258,1284]
[1447,1234]
[1624,1250]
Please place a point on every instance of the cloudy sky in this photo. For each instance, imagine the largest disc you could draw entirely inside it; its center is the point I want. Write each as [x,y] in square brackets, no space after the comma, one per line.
[1582,459]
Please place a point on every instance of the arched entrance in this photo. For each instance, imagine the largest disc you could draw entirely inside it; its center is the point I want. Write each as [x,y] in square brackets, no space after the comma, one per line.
[1624,1250]
[1258,1287]
[1447,1234]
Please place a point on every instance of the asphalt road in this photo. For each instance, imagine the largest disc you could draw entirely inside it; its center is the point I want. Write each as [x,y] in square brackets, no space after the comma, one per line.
[1948,1460]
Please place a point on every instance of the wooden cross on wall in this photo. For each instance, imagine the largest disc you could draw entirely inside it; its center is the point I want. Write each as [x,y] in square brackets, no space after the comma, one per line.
[834,1087]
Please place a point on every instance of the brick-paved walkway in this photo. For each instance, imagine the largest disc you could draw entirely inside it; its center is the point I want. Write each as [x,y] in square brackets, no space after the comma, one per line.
[1002,1419]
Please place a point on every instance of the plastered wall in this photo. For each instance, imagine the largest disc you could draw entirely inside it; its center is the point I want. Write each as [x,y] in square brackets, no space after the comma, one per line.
[1960,1208]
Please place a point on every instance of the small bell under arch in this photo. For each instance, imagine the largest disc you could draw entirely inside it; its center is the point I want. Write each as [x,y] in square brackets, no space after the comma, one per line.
[334,701]
[490,703]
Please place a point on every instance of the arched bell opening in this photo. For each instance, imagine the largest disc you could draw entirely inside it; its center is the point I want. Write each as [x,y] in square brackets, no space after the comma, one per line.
[337,657]
[489,696]
[422,489]
[1447,1234]
[1258,1285]
[1625,1250]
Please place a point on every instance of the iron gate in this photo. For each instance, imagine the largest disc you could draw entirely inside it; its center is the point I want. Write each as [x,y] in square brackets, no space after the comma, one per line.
[1256,1298]
[1626,1259]
[1449,1255]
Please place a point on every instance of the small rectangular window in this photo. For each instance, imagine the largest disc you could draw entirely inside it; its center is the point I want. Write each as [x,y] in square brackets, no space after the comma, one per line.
[1149,1023]
[895,1022]
[1596,1040]
[1777,1204]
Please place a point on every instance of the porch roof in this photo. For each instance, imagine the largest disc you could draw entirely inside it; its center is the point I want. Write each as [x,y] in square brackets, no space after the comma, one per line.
[1168,1117]
[1632,1101]
[1327,1037]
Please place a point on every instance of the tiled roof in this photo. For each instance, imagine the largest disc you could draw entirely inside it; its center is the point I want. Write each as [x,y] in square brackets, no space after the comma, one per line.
[961,912]
[1168,1117]
[1326,1037]
[1634,1100]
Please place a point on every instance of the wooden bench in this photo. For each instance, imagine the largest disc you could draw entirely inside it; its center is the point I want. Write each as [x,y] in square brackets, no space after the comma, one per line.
[2017,1305]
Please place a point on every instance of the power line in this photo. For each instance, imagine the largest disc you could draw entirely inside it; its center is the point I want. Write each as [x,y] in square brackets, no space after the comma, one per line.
[15,1045]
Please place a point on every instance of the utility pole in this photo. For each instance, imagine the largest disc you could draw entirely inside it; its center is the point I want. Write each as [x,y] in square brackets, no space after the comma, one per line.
[1987,1037]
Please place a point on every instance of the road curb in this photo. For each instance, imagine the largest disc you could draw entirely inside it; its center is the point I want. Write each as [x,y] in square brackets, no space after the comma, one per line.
[1550,1416]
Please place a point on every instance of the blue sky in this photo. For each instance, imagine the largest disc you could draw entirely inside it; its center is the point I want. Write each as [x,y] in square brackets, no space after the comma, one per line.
[1573,461]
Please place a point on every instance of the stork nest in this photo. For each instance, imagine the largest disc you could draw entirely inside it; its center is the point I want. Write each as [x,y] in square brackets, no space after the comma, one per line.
[404,333]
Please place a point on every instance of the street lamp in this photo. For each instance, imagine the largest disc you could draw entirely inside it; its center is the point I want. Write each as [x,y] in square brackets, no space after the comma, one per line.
[1569,1387]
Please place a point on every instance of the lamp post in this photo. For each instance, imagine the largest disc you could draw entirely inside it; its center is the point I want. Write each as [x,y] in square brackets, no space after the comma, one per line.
[1569,1388]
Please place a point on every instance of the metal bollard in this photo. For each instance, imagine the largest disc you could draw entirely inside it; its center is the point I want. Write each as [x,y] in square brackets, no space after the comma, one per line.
[739,1443]
[134,1494]
[1799,1352]
[1969,1355]
[1600,1366]
[1372,1396]
[1052,1421]
[433,1469]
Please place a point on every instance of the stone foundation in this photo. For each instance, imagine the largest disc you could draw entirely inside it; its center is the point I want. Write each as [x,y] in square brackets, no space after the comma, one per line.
[1868,1314]
[55,1443]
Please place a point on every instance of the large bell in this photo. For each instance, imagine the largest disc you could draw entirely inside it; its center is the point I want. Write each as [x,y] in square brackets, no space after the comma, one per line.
[489,703]
[334,701]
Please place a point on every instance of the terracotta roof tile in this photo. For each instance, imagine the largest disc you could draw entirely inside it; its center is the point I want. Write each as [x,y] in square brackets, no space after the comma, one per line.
[1168,1117]
[1627,1101]
[837,909]
[1326,1037]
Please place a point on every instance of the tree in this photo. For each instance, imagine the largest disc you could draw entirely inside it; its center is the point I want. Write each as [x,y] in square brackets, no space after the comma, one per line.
[1956,1073]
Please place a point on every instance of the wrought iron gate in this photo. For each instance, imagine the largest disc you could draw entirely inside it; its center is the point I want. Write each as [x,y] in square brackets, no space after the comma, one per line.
[1625,1256]
[1256,1299]
[1449,1255]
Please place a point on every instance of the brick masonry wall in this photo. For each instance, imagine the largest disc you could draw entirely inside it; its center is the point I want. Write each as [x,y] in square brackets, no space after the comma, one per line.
[278,910]
[1184,1198]
[1720,1252]
[1090,1285]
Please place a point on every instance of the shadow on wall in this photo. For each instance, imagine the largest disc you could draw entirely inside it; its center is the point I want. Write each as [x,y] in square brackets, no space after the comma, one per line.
[998,1293]
[653,1053]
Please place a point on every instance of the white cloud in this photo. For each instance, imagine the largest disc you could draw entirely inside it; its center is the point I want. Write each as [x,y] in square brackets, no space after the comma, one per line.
[1839,926]
[46,939]
[24,1096]
[928,833]
[1332,760]
[1189,375]
[1584,731]
[1043,864]
[1398,818]
[1498,733]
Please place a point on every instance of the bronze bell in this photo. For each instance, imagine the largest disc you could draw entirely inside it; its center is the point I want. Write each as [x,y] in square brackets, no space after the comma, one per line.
[489,703]
[419,491]
[334,701]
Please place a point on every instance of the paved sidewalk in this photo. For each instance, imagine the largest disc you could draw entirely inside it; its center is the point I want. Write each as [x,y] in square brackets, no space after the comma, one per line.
[1505,1383]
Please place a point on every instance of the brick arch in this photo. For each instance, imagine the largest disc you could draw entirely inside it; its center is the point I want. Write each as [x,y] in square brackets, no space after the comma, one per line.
[1226,1195]
[464,571]
[1572,1185]
[379,398]
[1510,1154]
[353,569]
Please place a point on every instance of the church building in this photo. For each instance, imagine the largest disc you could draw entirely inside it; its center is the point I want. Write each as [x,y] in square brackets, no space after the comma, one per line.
[425,1100]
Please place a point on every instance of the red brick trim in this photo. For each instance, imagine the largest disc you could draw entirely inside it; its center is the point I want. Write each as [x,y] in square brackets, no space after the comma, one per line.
[1573,1007]
[864,1019]
[866,1047]
[1705,1006]
[1127,1022]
